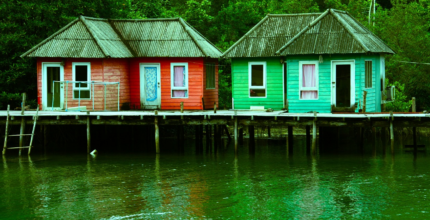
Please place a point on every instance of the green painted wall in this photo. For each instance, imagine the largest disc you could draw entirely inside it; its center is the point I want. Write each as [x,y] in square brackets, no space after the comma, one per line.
[275,94]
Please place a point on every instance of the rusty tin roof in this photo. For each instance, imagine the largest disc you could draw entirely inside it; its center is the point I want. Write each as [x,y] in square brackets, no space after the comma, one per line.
[331,32]
[87,37]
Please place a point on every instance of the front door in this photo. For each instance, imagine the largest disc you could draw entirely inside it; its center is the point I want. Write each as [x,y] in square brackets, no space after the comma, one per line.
[343,87]
[52,86]
[150,88]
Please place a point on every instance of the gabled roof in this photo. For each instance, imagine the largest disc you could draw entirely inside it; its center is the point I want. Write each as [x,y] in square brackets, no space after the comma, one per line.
[88,37]
[331,32]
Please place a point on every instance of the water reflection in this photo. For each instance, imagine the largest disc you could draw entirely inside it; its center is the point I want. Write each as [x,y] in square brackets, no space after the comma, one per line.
[264,185]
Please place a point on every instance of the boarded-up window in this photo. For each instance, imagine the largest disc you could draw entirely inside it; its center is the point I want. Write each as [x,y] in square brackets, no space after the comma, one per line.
[257,79]
[368,80]
[210,75]
[81,75]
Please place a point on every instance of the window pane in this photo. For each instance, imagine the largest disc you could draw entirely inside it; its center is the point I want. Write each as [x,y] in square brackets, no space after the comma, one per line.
[179,93]
[257,92]
[210,76]
[308,95]
[179,76]
[81,74]
[309,76]
[257,75]
[368,74]
[85,94]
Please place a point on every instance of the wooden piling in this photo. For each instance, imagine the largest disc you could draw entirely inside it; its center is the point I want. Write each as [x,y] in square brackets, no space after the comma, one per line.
[391,132]
[290,139]
[314,137]
[414,105]
[241,136]
[157,136]
[308,139]
[88,134]
[21,132]
[251,132]
[6,131]
[414,134]
[235,135]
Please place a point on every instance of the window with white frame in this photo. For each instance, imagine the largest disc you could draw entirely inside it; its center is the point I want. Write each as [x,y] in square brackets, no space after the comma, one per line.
[257,79]
[179,80]
[368,74]
[308,80]
[81,75]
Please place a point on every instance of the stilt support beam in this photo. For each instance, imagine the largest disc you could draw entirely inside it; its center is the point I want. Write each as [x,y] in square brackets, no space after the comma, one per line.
[157,136]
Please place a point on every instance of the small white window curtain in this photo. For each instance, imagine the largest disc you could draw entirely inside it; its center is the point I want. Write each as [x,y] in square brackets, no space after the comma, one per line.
[308,80]
[179,83]
[257,79]
[81,74]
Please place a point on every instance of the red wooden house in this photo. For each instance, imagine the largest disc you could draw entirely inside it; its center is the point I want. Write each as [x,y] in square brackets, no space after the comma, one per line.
[158,63]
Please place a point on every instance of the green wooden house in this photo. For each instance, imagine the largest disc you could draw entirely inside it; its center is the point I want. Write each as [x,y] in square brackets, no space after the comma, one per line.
[308,62]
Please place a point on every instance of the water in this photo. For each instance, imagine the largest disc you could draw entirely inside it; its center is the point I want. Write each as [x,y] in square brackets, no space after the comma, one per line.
[267,185]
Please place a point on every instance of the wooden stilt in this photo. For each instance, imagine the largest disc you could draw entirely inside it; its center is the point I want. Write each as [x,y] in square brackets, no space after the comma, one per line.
[314,137]
[216,139]
[391,132]
[226,132]
[290,139]
[308,139]
[241,136]
[157,140]
[251,132]
[34,129]
[235,135]
[6,131]
[414,134]
[88,135]
[21,132]
[208,138]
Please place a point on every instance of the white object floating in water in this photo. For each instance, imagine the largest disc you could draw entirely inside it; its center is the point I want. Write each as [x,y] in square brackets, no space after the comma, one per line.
[94,152]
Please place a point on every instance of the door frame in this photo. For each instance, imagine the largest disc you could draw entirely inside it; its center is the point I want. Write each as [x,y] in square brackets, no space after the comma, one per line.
[44,86]
[333,80]
[142,82]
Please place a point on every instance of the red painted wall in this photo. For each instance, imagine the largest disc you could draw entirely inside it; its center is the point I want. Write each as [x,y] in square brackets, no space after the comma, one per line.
[196,84]
[105,70]
[127,72]
[211,95]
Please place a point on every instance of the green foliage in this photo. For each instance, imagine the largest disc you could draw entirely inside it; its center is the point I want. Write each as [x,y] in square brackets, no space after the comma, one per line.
[401,102]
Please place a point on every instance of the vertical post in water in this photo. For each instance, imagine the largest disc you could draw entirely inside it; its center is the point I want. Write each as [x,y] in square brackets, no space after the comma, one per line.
[314,134]
[414,133]
[308,139]
[392,132]
[290,139]
[21,132]
[251,132]
[6,131]
[157,140]
[88,133]
[32,133]
[414,105]
[235,135]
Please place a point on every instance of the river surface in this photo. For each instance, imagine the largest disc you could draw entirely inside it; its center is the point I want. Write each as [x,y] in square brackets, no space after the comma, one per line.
[267,185]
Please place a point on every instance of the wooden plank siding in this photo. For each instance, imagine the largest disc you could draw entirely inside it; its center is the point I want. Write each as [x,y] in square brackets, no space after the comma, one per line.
[274,88]
[210,95]
[195,84]
[104,70]
[274,97]
[323,103]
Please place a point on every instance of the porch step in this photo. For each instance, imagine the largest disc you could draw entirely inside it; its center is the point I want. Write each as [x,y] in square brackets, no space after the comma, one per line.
[18,135]
[18,147]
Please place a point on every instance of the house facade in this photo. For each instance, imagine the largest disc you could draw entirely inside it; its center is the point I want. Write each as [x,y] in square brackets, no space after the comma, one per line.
[322,62]
[106,64]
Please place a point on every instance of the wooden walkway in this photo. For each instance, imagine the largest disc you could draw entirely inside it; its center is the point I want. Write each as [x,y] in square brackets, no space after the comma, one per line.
[221,117]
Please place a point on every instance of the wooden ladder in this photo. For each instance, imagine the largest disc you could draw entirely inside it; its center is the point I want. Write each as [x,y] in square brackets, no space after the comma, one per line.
[19,135]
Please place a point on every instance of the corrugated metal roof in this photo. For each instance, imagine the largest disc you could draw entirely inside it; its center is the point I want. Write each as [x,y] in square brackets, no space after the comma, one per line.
[98,38]
[331,32]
